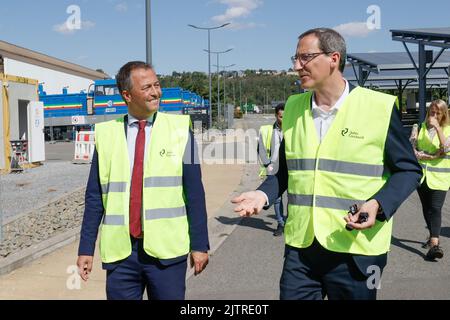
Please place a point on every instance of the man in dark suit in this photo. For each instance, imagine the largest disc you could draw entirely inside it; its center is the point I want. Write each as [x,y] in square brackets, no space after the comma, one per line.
[342,146]
[145,190]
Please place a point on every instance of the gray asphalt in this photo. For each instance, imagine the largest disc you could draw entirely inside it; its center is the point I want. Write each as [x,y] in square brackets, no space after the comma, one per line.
[247,266]
[59,151]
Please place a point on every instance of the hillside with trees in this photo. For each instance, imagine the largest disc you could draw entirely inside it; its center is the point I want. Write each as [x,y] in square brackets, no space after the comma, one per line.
[258,87]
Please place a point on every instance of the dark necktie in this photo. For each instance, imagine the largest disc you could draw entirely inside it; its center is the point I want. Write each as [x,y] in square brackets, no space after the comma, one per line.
[137,182]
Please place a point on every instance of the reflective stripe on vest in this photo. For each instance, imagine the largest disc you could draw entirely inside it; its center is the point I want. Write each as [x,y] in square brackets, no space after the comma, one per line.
[114,187]
[347,167]
[165,225]
[337,167]
[436,171]
[114,220]
[322,201]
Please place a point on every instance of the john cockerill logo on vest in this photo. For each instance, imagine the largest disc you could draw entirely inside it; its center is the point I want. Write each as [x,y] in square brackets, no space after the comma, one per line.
[351,134]
[165,153]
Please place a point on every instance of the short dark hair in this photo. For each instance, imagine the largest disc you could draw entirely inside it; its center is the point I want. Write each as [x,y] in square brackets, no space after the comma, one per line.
[123,78]
[279,107]
[329,41]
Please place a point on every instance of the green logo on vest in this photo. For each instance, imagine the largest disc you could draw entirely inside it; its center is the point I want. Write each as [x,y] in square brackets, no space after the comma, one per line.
[164,153]
[351,134]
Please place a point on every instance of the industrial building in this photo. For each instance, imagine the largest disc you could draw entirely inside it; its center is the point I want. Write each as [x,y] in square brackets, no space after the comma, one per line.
[21,113]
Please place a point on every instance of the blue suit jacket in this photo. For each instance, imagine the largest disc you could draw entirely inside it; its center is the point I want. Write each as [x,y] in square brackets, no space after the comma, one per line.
[405,178]
[195,206]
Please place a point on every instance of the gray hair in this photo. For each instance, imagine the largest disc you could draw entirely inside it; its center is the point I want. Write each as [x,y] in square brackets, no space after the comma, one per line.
[329,41]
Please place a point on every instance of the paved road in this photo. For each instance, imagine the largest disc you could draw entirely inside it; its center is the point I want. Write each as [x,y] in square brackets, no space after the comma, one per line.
[248,265]
[59,151]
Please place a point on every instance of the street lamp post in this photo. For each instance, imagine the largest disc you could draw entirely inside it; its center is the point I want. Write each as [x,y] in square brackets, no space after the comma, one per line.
[148,30]
[224,85]
[266,100]
[209,63]
[218,79]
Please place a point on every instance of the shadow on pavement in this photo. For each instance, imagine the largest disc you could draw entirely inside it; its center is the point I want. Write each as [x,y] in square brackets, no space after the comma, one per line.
[247,222]
[445,232]
[400,243]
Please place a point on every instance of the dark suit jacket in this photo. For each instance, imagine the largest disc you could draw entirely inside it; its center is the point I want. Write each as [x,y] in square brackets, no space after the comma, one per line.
[405,178]
[195,205]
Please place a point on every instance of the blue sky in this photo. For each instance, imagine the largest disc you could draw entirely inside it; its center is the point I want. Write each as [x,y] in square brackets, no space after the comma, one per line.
[263,33]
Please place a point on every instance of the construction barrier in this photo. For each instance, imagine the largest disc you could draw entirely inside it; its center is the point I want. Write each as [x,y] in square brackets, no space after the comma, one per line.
[84,147]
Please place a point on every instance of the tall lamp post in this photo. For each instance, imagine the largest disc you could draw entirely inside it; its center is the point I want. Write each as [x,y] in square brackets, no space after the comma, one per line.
[224,87]
[209,62]
[148,29]
[218,78]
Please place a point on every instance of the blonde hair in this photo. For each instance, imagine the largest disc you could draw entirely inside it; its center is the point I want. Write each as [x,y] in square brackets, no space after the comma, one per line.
[443,108]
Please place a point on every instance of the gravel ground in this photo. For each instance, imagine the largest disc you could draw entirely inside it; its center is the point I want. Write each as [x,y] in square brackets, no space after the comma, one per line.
[43,223]
[41,203]
[23,192]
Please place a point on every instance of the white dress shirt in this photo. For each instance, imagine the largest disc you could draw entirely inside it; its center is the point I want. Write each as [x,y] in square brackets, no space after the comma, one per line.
[323,119]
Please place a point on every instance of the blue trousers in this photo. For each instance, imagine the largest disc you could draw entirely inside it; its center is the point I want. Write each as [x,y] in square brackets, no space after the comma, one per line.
[278,207]
[314,272]
[129,279]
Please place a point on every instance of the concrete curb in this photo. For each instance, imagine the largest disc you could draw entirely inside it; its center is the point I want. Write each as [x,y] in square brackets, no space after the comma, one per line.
[218,231]
[34,252]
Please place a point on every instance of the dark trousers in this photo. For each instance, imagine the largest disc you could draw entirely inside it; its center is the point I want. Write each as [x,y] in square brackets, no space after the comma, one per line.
[432,203]
[129,279]
[314,272]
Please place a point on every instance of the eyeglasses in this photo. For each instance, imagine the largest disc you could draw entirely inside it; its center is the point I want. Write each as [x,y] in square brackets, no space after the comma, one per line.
[304,58]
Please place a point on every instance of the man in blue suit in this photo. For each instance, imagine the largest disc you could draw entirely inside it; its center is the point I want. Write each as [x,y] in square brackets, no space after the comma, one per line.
[326,168]
[160,235]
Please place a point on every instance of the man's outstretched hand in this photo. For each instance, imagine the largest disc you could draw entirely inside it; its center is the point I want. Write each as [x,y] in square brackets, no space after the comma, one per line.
[249,203]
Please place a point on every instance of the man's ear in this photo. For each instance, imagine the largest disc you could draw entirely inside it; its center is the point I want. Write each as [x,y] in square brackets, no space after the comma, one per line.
[336,58]
[126,96]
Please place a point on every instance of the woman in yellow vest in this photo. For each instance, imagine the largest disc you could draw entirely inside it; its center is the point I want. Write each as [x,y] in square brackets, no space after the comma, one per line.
[432,149]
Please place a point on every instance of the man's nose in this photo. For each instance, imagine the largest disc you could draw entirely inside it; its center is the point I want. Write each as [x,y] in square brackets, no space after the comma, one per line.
[155,91]
[298,65]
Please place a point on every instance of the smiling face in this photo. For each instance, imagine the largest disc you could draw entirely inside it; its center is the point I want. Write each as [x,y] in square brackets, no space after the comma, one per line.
[145,93]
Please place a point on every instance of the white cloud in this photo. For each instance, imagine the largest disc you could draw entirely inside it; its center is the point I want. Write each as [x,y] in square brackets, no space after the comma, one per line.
[65,30]
[121,7]
[353,29]
[240,26]
[238,9]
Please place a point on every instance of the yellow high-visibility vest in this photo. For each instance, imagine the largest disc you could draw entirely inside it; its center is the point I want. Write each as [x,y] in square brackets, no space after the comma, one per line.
[436,171]
[347,167]
[164,220]
[266,133]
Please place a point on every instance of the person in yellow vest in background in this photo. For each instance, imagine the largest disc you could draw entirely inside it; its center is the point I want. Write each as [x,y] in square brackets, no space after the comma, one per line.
[432,149]
[146,194]
[270,137]
[343,146]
